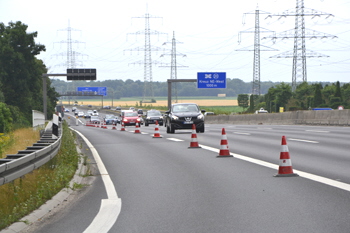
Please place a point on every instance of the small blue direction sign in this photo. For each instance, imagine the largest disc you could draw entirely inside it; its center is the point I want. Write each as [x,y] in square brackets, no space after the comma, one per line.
[211,80]
[94,90]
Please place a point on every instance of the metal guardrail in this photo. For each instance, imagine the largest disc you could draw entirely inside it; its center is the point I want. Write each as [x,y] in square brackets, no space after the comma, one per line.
[25,161]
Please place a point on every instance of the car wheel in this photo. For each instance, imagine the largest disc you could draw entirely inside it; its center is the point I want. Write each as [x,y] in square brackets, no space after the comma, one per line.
[146,124]
[202,129]
[170,128]
[161,124]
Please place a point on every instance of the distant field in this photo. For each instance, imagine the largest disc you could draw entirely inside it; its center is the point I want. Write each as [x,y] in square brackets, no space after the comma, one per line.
[128,102]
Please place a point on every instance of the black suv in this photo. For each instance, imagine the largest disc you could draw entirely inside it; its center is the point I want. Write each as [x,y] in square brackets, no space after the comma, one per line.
[152,116]
[183,116]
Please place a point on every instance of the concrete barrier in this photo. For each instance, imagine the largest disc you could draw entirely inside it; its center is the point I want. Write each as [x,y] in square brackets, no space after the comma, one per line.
[308,117]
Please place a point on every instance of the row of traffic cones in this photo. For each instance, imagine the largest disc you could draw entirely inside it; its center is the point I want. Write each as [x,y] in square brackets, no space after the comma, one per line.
[137,129]
[285,165]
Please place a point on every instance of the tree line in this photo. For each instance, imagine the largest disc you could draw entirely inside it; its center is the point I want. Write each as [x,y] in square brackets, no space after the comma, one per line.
[306,96]
[117,89]
[21,81]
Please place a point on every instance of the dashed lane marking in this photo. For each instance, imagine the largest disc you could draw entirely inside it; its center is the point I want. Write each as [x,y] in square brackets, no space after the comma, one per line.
[301,140]
[242,133]
[175,139]
[317,131]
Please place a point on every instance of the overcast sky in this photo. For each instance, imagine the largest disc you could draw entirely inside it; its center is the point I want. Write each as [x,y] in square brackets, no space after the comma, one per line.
[107,34]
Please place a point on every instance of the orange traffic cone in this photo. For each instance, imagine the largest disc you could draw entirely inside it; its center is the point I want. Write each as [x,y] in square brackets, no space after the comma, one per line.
[114,126]
[137,130]
[285,168]
[224,151]
[194,141]
[156,133]
[123,128]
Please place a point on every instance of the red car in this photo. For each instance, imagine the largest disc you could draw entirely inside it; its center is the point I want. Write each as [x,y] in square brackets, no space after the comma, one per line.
[130,118]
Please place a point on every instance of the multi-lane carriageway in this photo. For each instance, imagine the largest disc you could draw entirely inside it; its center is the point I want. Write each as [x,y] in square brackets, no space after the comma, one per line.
[148,184]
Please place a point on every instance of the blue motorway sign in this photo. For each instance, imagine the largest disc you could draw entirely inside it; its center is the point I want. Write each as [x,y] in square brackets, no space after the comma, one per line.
[211,80]
[94,90]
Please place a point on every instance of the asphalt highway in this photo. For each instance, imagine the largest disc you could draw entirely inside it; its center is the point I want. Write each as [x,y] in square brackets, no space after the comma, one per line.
[164,186]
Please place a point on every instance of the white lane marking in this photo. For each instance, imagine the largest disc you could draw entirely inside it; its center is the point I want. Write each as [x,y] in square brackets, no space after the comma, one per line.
[110,208]
[241,133]
[301,140]
[317,131]
[320,179]
[175,139]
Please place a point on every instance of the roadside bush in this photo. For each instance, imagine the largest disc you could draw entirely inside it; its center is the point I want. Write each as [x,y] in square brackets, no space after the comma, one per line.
[5,118]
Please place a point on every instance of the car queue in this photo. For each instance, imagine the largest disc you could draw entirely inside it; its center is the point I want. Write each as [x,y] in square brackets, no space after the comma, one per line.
[180,116]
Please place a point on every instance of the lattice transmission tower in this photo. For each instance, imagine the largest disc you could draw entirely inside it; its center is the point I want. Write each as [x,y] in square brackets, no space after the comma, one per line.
[173,65]
[299,33]
[148,93]
[257,48]
[70,54]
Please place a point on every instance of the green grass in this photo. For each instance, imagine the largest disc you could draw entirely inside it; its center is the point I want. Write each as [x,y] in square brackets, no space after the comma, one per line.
[26,194]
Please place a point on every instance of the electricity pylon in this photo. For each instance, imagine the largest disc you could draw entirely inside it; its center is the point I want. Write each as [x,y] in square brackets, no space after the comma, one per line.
[174,66]
[257,48]
[147,62]
[299,33]
[71,54]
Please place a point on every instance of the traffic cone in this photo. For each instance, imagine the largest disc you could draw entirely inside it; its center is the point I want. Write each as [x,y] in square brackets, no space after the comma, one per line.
[137,130]
[114,127]
[123,128]
[156,133]
[224,151]
[194,141]
[285,167]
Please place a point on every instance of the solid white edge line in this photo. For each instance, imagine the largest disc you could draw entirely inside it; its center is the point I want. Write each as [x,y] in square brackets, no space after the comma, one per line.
[320,179]
[110,208]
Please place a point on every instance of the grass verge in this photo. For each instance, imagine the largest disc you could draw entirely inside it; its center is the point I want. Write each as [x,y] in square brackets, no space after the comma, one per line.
[18,140]
[26,194]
